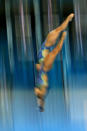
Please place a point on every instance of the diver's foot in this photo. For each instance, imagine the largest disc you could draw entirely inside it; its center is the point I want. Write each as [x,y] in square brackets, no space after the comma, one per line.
[70,17]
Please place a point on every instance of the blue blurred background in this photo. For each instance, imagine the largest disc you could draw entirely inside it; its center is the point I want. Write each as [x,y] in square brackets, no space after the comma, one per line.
[24,25]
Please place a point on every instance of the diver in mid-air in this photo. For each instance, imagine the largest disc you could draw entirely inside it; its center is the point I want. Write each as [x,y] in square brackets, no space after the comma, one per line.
[46,59]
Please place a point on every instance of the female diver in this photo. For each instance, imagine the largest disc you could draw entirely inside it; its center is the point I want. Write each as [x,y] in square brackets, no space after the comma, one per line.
[46,59]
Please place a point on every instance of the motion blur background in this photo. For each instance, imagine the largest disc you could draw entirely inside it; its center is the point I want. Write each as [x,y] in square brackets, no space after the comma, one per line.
[24,25]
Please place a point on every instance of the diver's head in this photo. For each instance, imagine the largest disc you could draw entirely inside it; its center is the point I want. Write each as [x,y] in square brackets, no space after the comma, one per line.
[40,102]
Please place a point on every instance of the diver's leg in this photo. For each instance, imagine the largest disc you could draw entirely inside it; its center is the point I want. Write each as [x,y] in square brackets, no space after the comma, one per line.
[49,59]
[64,25]
[53,35]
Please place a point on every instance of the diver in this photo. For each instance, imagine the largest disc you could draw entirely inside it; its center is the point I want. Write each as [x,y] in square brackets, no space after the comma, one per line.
[46,59]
